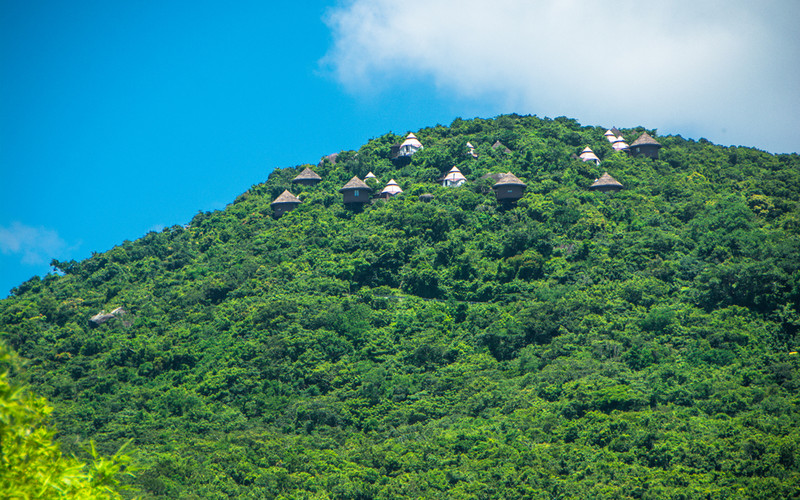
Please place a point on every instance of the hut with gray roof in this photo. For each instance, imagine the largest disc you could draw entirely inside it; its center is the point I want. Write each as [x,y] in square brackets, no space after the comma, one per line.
[355,193]
[502,147]
[307,178]
[606,184]
[645,146]
[612,134]
[284,203]
[509,188]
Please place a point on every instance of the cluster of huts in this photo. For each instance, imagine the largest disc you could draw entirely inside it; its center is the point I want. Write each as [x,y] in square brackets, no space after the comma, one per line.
[508,188]
[645,146]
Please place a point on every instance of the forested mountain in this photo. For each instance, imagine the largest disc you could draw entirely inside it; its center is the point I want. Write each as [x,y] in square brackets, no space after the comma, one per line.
[574,344]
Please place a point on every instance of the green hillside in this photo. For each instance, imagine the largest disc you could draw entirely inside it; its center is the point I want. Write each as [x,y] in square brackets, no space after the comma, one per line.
[573,345]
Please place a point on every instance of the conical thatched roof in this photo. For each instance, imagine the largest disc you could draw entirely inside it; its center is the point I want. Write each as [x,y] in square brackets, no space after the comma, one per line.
[370,175]
[454,175]
[307,174]
[411,140]
[645,140]
[494,176]
[392,188]
[508,179]
[619,144]
[286,197]
[354,183]
[498,144]
[606,182]
[588,155]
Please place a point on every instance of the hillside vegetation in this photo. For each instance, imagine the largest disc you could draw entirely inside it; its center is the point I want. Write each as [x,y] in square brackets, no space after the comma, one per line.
[31,464]
[574,345]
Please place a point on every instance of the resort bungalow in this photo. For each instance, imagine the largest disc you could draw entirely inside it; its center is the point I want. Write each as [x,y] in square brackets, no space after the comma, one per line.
[471,150]
[391,189]
[402,153]
[509,188]
[612,134]
[307,178]
[588,155]
[284,203]
[355,193]
[453,178]
[646,146]
[606,184]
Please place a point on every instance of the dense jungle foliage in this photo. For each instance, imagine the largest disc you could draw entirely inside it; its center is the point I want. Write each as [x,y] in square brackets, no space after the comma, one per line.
[575,344]
[31,464]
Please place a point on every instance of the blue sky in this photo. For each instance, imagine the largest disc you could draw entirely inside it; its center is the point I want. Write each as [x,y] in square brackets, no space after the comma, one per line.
[118,118]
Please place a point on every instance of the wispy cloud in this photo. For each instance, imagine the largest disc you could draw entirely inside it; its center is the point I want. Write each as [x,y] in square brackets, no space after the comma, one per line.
[35,245]
[727,70]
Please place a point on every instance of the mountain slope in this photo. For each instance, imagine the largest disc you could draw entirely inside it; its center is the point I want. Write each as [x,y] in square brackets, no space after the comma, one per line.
[575,344]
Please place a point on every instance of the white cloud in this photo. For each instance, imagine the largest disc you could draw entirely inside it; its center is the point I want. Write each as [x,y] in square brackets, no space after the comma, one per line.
[706,66]
[37,245]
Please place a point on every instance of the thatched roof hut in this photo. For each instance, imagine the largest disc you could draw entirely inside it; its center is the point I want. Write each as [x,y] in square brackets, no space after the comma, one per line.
[391,189]
[401,153]
[613,134]
[645,145]
[307,178]
[411,140]
[588,155]
[509,188]
[508,179]
[498,144]
[645,138]
[370,175]
[495,176]
[453,178]
[426,197]
[619,144]
[285,202]
[354,183]
[410,146]
[606,184]
[356,191]
[471,150]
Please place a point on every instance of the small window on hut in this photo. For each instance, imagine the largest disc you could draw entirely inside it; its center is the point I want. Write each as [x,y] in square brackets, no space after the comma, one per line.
[355,193]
